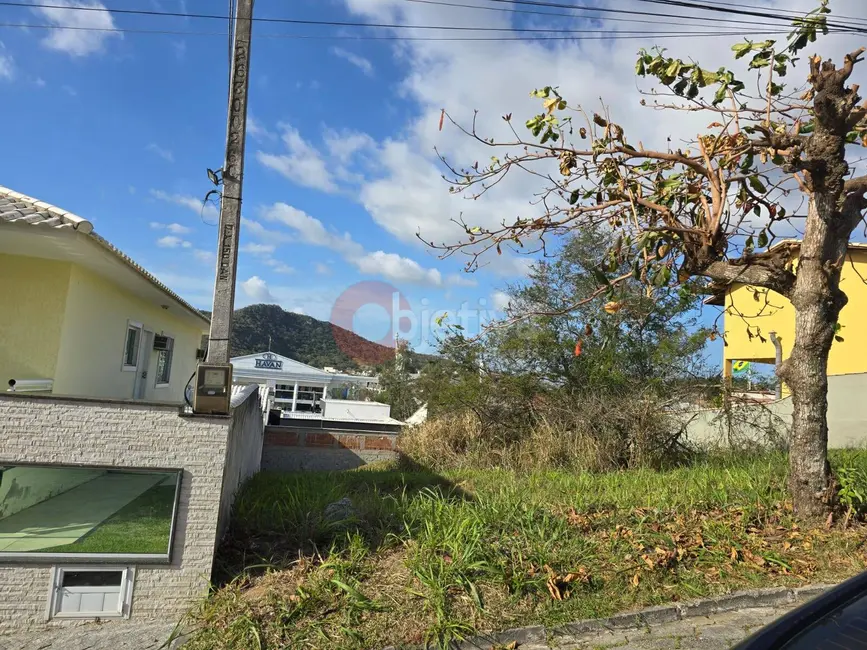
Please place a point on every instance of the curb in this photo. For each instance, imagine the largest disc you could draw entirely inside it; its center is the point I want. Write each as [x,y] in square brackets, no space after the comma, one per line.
[753,598]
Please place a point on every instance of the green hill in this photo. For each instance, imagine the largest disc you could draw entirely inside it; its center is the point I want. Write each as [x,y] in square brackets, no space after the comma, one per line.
[304,338]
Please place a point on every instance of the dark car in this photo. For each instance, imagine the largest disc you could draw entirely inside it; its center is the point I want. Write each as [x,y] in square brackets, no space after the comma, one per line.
[836,620]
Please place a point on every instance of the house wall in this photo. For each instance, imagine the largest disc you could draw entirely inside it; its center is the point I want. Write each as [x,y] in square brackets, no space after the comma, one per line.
[32,303]
[847,418]
[773,312]
[47,429]
[90,359]
[244,456]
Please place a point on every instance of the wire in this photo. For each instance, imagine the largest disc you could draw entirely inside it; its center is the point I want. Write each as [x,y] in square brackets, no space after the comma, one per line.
[742,12]
[294,21]
[708,22]
[792,12]
[559,5]
[599,34]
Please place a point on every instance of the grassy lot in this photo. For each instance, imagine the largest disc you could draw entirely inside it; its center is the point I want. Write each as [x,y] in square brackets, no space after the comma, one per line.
[141,526]
[436,557]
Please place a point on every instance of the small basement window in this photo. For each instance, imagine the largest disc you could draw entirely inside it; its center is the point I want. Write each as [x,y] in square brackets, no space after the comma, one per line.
[91,592]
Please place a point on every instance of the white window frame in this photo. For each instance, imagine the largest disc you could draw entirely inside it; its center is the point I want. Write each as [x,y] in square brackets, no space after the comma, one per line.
[127,581]
[130,324]
[157,383]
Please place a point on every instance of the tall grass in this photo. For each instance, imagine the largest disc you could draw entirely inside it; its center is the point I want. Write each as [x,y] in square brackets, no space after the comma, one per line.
[428,558]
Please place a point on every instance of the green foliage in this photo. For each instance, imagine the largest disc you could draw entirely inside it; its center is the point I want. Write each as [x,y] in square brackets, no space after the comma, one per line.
[437,558]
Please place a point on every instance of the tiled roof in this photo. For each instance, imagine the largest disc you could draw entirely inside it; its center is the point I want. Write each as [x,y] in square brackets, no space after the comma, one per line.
[19,208]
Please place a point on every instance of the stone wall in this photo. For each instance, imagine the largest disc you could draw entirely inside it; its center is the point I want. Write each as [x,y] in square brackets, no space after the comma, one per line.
[308,450]
[43,429]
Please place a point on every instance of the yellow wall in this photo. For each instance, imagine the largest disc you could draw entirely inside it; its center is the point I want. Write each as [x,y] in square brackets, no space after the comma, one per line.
[760,311]
[94,332]
[32,302]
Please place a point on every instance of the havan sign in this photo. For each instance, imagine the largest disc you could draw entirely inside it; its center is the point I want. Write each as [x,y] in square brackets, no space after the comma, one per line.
[269,362]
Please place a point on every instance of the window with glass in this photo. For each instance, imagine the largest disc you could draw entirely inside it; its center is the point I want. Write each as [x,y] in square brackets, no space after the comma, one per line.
[96,513]
[130,350]
[164,345]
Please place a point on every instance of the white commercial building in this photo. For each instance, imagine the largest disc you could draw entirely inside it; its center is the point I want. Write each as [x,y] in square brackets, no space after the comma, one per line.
[300,391]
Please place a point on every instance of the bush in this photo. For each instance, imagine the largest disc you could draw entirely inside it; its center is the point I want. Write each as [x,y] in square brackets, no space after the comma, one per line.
[594,433]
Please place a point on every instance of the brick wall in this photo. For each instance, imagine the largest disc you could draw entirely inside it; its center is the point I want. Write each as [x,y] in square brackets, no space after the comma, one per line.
[123,434]
[306,450]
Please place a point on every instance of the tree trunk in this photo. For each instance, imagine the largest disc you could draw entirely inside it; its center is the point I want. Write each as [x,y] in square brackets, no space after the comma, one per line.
[817,300]
[816,296]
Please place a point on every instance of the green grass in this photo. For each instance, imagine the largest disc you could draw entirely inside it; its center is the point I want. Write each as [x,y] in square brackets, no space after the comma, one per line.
[142,526]
[432,558]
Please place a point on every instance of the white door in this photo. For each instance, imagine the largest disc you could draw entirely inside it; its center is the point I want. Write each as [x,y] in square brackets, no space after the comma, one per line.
[144,359]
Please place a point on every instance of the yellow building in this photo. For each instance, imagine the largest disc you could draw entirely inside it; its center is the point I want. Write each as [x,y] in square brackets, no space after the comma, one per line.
[753,313]
[80,318]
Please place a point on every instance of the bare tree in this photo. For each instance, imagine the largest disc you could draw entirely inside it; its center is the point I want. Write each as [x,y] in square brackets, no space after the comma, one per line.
[691,211]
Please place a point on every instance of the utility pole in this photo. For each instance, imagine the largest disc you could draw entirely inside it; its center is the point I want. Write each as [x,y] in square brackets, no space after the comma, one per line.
[212,394]
[233,176]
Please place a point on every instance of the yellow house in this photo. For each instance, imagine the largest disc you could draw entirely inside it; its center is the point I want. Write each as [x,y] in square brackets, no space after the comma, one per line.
[80,318]
[753,313]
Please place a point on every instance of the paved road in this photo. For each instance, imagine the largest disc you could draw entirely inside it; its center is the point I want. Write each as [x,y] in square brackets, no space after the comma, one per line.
[714,632]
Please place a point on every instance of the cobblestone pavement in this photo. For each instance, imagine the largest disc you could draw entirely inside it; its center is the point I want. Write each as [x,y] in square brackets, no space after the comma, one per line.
[714,632]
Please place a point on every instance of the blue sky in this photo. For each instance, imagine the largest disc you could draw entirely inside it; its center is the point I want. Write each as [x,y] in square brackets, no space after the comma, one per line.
[340,173]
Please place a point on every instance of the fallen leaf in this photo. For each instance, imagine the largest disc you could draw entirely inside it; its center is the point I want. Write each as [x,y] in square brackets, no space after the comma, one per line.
[635,579]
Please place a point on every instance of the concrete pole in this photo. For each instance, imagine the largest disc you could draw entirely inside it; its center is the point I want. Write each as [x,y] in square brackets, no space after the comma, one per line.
[233,177]
[295,397]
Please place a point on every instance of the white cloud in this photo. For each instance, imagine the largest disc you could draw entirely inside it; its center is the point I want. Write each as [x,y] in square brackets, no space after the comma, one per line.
[258,249]
[397,269]
[85,39]
[409,197]
[344,145]
[7,65]
[358,61]
[258,231]
[500,300]
[387,265]
[322,269]
[206,257]
[69,90]
[165,154]
[170,241]
[189,202]
[257,131]
[303,164]
[174,228]
[39,82]
[461,280]
[298,310]
[279,267]
[312,231]
[256,289]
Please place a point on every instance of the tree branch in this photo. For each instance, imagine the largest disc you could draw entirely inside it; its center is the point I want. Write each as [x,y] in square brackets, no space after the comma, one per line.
[760,275]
